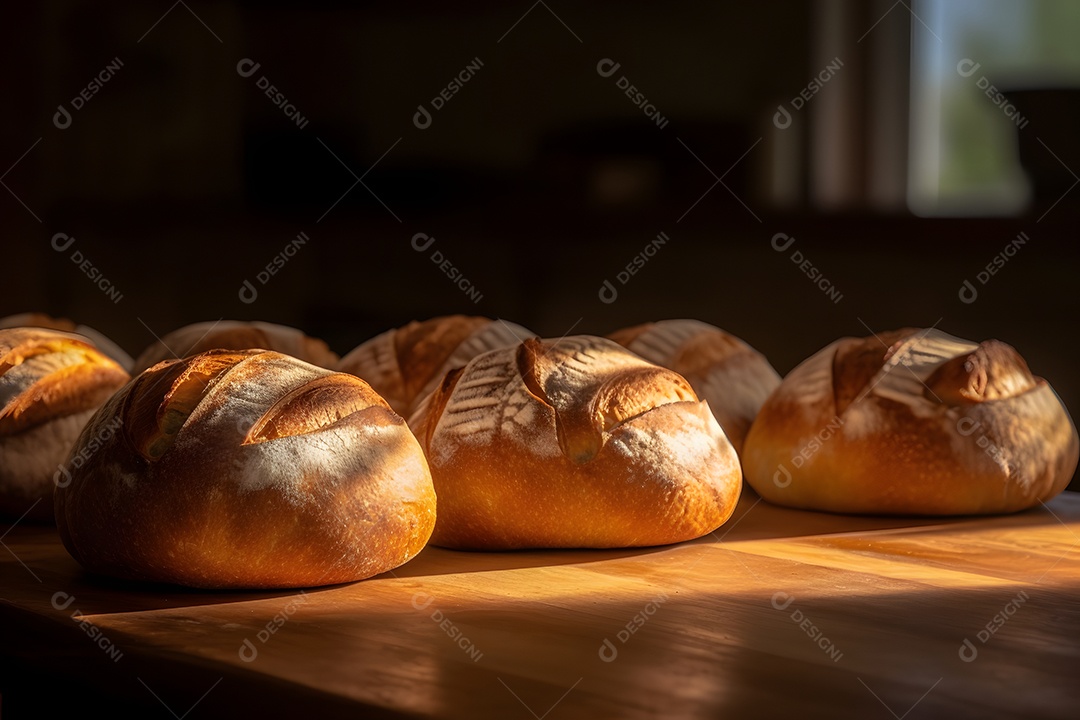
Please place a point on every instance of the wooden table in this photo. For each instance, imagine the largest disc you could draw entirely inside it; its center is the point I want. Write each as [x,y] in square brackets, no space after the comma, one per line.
[779,614]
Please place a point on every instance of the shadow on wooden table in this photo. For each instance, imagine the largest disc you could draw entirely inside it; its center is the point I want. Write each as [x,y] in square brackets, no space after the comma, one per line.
[786,640]
[38,549]
[789,614]
[753,519]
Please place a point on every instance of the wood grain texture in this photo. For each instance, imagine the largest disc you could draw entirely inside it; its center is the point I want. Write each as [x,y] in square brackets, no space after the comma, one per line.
[780,613]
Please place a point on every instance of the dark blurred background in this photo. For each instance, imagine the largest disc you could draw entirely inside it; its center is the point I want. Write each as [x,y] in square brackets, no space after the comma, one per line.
[903,147]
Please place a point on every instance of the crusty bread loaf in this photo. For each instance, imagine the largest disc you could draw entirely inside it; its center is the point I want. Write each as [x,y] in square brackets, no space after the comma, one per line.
[41,320]
[37,320]
[912,422]
[50,384]
[236,335]
[247,469]
[406,364]
[574,442]
[732,377]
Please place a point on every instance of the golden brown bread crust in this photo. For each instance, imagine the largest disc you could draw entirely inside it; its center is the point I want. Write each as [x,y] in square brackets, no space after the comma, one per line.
[406,364]
[236,335]
[38,320]
[247,469]
[50,384]
[732,377]
[41,320]
[573,443]
[912,422]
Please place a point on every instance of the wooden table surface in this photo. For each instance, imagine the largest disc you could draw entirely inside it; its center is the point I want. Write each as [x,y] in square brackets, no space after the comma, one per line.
[780,613]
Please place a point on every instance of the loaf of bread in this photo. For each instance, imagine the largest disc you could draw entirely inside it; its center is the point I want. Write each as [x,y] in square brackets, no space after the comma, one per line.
[912,422]
[247,469]
[236,335]
[569,443]
[732,377]
[50,384]
[100,341]
[406,364]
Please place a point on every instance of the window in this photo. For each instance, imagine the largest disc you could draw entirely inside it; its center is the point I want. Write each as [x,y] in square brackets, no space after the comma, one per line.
[970,128]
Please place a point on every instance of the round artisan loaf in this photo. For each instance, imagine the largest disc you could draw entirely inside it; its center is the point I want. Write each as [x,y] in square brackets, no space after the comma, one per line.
[247,469]
[574,442]
[724,371]
[406,364]
[50,384]
[912,422]
[236,335]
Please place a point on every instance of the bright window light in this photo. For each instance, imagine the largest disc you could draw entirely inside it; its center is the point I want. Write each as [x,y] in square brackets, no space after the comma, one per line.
[967,123]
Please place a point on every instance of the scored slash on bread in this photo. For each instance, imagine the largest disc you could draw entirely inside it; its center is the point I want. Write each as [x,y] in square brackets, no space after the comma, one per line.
[591,396]
[41,320]
[43,379]
[724,371]
[50,384]
[912,422]
[405,365]
[247,469]
[574,442]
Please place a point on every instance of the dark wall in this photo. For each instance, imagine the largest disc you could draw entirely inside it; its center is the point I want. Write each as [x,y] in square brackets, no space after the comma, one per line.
[180,178]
